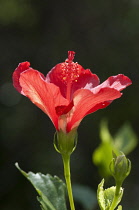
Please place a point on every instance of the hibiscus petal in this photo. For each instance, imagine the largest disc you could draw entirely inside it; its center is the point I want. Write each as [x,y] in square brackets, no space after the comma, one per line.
[21,67]
[118,82]
[86,102]
[86,80]
[80,78]
[45,95]
[61,110]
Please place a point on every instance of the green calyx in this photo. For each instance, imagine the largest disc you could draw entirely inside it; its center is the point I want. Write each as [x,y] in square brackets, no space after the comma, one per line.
[65,143]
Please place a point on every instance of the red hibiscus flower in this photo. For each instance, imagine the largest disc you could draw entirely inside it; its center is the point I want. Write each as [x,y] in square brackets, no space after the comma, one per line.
[68,92]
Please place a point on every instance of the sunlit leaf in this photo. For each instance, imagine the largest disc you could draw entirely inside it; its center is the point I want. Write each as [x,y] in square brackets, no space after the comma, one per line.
[106,196]
[119,207]
[100,195]
[51,190]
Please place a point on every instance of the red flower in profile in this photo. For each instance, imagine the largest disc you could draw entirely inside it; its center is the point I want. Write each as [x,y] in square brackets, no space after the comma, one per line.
[68,92]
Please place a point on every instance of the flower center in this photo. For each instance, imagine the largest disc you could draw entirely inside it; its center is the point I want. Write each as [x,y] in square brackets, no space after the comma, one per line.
[69,69]
[70,72]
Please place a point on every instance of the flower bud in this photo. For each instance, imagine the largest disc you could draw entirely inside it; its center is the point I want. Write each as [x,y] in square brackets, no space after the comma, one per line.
[120,168]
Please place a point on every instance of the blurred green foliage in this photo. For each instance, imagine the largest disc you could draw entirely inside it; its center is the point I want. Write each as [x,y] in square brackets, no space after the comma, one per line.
[19,12]
[125,140]
[85,196]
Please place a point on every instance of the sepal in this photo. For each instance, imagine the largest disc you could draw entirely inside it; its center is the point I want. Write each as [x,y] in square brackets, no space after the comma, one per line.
[65,143]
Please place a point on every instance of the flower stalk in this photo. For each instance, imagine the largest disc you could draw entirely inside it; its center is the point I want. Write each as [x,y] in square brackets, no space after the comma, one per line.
[66,162]
[118,194]
[65,144]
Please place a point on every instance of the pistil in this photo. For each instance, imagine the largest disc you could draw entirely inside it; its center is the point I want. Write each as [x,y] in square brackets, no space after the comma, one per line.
[70,73]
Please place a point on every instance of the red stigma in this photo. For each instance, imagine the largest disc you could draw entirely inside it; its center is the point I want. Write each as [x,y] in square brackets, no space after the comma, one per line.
[71,55]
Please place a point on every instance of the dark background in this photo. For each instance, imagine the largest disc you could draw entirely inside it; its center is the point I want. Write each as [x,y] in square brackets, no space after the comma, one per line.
[105,37]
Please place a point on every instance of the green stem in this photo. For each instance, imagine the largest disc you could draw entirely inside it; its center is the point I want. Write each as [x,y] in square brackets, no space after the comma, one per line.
[116,198]
[66,162]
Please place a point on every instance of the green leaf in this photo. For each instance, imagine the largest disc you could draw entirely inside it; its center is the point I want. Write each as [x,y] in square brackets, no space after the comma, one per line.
[85,196]
[119,207]
[100,195]
[125,139]
[109,196]
[105,197]
[51,190]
